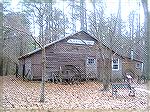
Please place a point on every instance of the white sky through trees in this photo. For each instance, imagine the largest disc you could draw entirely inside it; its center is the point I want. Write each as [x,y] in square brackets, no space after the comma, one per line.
[111,7]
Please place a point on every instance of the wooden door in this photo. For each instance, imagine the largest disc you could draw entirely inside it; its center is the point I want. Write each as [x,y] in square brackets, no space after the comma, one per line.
[91,68]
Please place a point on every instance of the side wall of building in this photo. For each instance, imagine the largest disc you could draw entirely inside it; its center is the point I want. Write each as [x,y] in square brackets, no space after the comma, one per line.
[132,67]
[21,62]
[117,73]
[36,65]
[64,53]
[90,59]
[28,69]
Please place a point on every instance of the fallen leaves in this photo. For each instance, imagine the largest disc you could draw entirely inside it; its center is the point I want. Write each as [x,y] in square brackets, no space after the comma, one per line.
[25,94]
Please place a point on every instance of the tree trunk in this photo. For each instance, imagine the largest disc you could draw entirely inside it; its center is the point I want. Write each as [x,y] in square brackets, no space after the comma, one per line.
[42,97]
[6,72]
[94,9]
[64,25]
[16,72]
[147,30]
[43,63]
[105,75]
[73,17]
[23,71]
[119,19]
[1,66]
[83,16]
[1,39]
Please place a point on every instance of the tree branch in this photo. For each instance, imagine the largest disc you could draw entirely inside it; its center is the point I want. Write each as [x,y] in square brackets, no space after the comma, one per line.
[11,28]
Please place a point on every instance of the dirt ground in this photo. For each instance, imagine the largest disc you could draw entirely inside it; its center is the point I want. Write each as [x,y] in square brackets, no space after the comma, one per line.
[18,95]
[1,82]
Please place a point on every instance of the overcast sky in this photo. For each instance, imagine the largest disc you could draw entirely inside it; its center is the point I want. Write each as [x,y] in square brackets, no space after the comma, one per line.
[111,6]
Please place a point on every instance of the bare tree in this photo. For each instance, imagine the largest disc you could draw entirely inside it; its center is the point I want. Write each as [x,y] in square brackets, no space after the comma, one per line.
[14,43]
[73,16]
[147,34]
[1,39]
[83,15]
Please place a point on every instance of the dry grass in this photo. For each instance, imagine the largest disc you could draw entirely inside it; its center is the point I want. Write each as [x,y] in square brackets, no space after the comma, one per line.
[19,95]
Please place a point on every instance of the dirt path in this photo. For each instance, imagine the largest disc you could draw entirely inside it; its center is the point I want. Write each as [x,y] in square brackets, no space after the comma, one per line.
[19,94]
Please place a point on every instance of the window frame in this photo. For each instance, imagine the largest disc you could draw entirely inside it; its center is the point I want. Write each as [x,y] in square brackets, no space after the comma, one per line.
[115,64]
[138,65]
[91,60]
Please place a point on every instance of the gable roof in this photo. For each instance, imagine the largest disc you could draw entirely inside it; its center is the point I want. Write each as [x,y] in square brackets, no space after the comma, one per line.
[80,32]
[54,42]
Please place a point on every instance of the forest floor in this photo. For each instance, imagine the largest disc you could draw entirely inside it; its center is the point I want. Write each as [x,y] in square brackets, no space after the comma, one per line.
[20,95]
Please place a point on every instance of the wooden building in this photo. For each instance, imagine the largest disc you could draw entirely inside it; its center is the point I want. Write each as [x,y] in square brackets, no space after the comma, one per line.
[78,56]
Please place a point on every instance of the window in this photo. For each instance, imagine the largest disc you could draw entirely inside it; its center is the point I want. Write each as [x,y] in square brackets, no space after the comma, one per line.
[78,41]
[91,61]
[132,54]
[115,64]
[138,65]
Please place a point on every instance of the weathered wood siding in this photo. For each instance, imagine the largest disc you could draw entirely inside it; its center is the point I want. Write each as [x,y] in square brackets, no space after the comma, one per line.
[68,54]
[118,73]
[63,54]
[28,68]
[130,66]
[36,65]
[21,62]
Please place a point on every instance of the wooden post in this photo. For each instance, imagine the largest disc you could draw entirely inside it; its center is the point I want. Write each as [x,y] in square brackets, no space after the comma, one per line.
[17,68]
[23,72]
[60,74]
[53,77]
